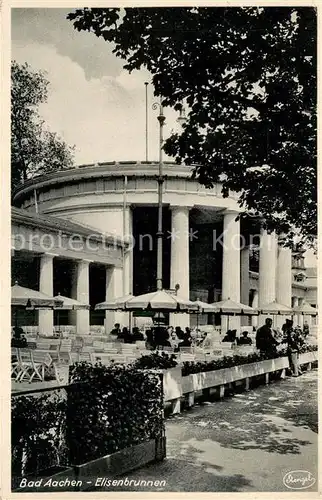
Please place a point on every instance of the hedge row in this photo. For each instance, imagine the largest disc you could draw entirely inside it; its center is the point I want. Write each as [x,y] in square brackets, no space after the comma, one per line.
[103,410]
[166,361]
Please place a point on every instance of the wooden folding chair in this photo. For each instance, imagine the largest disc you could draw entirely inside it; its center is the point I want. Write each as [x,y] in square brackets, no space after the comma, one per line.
[188,350]
[73,357]
[15,363]
[130,359]
[118,359]
[36,365]
[186,356]
[98,346]
[43,345]
[110,350]
[25,363]
[165,348]
[85,356]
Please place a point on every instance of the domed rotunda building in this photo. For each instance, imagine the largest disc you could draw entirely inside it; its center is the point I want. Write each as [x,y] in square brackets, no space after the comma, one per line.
[90,233]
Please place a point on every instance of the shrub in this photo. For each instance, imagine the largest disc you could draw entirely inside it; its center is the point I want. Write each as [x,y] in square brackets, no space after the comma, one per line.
[111,408]
[103,410]
[190,367]
[38,433]
[155,360]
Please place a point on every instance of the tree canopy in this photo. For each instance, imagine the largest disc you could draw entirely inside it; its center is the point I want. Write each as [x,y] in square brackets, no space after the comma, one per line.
[34,148]
[248,79]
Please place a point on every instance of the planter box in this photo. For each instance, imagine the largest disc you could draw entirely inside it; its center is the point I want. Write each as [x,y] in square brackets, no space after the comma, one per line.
[205,380]
[308,357]
[91,475]
[172,383]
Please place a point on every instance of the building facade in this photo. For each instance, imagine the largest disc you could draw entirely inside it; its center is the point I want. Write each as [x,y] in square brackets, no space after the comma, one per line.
[111,210]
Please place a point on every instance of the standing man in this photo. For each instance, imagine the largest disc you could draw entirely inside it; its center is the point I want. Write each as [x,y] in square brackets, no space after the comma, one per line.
[306,329]
[293,339]
[265,340]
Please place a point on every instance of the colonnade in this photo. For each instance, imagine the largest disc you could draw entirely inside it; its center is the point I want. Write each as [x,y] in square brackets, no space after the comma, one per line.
[275,273]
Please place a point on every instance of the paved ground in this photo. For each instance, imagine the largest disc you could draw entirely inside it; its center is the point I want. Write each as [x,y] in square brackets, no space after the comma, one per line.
[243,443]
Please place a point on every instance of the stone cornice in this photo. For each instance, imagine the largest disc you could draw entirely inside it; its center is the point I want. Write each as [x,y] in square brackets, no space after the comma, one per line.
[55,224]
[108,169]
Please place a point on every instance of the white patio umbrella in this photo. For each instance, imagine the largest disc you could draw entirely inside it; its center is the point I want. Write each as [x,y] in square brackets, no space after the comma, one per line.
[160,301]
[203,308]
[229,307]
[275,309]
[305,309]
[68,304]
[115,304]
[27,298]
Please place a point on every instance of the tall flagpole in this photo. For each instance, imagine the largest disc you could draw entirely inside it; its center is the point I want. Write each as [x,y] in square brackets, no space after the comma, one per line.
[146,121]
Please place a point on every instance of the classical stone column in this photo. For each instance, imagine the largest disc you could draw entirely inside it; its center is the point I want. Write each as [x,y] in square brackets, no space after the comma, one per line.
[300,316]
[46,285]
[284,280]
[179,271]
[114,289]
[244,281]
[231,265]
[128,253]
[80,291]
[267,268]
[295,303]
[255,306]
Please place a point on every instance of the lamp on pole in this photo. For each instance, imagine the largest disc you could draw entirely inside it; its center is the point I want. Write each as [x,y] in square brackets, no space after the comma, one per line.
[161,120]
[146,121]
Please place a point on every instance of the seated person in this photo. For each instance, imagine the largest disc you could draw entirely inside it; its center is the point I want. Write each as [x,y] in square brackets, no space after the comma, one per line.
[127,336]
[185,342]
[116,330]
[18,338]
[230,336]
[179,333]
[170,330]
[201,340]
[245,340]
[162,337]
[137,335]
[173,339]
[163,340]
[149,342]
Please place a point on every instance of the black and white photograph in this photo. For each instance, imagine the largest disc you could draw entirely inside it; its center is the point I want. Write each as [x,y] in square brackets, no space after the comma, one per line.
[164,271]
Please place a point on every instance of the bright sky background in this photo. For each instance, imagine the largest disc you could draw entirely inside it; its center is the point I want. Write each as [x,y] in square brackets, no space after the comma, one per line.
[93,103]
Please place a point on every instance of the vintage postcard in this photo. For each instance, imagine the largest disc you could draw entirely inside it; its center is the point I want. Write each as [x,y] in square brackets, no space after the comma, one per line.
[161,285]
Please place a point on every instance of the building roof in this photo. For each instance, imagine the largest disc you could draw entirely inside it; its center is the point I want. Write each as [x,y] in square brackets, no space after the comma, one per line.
[49,222]
[100,170]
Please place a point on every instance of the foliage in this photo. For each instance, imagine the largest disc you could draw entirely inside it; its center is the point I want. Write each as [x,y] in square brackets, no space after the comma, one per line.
[248,77]
[111,408]
[34,148]
[190,367]
[106,409]
[307,348]
[38,439]
[155,360]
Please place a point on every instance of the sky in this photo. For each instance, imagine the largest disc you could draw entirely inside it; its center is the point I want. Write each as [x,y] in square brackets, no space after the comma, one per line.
[93,103]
